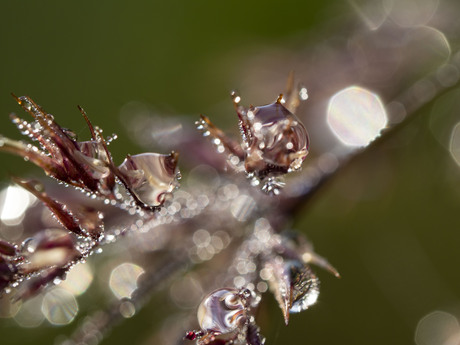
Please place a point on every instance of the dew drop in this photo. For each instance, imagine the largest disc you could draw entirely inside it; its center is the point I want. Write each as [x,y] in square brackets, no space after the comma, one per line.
[150,176]
[235,97]
[25,103]
[222,311]
[29,245]
[303,94]
[278,142]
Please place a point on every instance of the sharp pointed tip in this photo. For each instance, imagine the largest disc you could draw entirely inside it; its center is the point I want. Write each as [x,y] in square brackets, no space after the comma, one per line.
[286,317]
[16,98]
[286,313]
[332,270]
[205,119]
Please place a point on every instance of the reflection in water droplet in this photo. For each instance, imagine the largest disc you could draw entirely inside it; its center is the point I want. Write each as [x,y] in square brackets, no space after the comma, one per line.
[29,245]
[78,279]
[59,307]
[150,176]
[356,116]
[123,279]
[14,202]
[436,328]
[303,284]
[221,311]
[30,314]
[305,301]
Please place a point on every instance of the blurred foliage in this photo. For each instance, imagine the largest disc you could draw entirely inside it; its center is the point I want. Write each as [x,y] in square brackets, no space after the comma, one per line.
[389,223]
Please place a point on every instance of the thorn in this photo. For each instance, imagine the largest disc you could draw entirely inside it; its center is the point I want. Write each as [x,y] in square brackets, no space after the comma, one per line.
[88,122]
[286,314]
[16,98]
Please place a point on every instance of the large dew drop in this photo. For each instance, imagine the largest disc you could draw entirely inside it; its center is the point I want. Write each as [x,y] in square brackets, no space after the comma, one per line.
[222,311]
[294,285]
[305,287]
[277,142]
[150,176]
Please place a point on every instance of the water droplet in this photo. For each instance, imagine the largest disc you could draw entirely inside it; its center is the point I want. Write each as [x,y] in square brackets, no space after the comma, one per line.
[293,283]
[29,245]
[303,93]
[25,103]
[235,97]
[150,176]
[273,186]
[276,142]
[222,311]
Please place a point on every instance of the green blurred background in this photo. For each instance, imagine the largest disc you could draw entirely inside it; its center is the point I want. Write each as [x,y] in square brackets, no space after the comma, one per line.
[389,223]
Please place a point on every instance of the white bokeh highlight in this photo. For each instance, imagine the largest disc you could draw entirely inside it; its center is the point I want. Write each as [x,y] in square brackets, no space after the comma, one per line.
[123,279]
[59,306]
[14,202]
[356,116]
